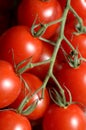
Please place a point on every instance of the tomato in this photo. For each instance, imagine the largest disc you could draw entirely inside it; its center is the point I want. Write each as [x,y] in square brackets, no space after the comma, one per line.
[34,83]
[74,79]
[42,70]
[10,84]
[19,42]
[45,10]
[11,120]
[79,7]
[70,28]
[68,118]
[78,42]
[62,3]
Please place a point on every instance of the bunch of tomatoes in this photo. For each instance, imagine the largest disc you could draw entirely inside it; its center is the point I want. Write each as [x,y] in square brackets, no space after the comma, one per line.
[42,65]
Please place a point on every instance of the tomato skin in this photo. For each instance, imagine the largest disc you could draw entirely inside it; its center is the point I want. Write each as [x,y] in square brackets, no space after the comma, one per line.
[80,7]
[46,11]
[74,79]
[62,3]
[23,44]
[34,83]
[42,70]
[78,42]
[11,120]
[10,84]
[68,118]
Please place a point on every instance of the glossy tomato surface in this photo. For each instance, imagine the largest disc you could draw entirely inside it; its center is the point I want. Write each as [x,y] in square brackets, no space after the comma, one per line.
[33,84]
[19,42]
[10,84]
[42,70]
[45,11]
[68,118]
[79,7]
[13,121]
[74,79]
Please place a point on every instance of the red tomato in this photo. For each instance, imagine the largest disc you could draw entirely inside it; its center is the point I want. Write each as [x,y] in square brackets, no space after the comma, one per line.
[46,11]
[62,3]
[78,42]
[70,28]
[74,79]
[34,83]
[10,120]
[79,7]
[23,44]
[10,84]
[68,118]
[42,70]
[70,14]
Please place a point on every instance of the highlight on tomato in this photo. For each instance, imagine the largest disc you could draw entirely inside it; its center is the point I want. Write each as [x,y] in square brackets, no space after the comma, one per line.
[41,12]
[33,83]
[70,117]
[17,44]
[10,84]
[10,120]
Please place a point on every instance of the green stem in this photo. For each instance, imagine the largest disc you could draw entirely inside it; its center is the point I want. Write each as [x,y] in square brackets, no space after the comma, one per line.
[52,60]
[57,46]
[31,65]
[60,38]
[43,27]
[48,41]
[60,88]
[69,43]
[78,18]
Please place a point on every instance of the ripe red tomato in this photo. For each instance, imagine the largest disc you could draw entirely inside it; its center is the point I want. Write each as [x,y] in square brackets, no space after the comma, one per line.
[10,84]
[45,10]
[79,7]
[70,27]
[23,44]
[10,120]
[42,70]
[77,41]
[68,118]
[33,83]
[62,3]
[74,79]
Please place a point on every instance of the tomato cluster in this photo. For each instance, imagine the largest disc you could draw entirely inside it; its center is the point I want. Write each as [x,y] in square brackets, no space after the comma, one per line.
[42,65]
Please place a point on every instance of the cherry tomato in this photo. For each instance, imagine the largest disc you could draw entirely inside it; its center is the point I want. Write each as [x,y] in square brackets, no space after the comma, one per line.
[45,10]
[70,28]
[11,120]
[10,84]
[62,3]
[68,118]
[74,79]
[19,42]
[78,42]
[33,83]
[42,70]
[79,7]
